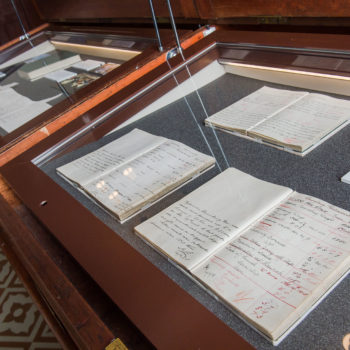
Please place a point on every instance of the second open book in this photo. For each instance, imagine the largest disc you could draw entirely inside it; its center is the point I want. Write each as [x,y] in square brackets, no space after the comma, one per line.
[130,173]
[297,121]
[268,252]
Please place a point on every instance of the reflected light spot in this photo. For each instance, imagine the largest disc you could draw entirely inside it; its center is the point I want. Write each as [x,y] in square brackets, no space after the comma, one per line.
[113,195]
[100,184]
[346,342]
[127,171]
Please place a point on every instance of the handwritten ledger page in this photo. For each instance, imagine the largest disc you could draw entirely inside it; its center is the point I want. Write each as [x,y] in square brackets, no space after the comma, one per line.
[210,216]
[16,109]
[270,268]
[293,119]
[135,170]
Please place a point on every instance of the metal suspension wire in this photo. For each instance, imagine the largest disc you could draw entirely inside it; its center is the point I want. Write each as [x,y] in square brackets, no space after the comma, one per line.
[160,46]
[25,34]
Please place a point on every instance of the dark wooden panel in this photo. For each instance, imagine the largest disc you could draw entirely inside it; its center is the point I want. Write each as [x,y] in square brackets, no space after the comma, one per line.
[86,313]
[10,27]
[219,9]
[93,10]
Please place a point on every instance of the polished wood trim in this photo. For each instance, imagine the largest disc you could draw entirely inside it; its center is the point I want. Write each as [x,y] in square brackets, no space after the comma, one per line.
[218,9]
[17,40]
[148,308]
[83,326]
[85,312]
[46,129]
[112,11]
[49,122]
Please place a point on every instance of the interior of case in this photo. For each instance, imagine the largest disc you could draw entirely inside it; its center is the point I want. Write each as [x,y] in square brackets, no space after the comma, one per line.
[179,114]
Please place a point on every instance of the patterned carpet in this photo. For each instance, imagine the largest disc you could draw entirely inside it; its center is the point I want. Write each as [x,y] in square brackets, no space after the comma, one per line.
[21,325]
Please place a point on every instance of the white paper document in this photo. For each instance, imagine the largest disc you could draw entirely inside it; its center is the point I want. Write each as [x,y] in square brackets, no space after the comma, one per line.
[135,171]
[267,252]
[346,178]
[88,65]
[16,109]
[60,75]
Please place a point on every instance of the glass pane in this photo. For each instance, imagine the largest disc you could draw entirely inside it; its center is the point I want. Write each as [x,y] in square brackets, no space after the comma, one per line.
[55,67]
[193,200]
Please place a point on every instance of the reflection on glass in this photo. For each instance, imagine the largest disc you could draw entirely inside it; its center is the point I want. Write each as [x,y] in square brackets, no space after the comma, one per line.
[100,184]
[49,73]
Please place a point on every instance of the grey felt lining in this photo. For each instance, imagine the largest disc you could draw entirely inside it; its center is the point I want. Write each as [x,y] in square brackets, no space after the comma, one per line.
[318,174]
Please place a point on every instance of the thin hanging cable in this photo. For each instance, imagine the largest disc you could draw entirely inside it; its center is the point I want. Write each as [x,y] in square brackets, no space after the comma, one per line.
[196,90]
[174,28]
[26,35]
[160,46]
[196,122]
[206,113]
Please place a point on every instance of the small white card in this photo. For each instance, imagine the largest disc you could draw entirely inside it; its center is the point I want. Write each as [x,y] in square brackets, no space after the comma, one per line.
[88,65]
[346,178]
[60,75]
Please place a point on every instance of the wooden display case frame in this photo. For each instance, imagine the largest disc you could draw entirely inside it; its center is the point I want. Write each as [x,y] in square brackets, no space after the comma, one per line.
[182,323]
[67,110]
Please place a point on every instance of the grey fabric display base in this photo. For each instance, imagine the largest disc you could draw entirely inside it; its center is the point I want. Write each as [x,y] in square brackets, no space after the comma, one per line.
[318,174]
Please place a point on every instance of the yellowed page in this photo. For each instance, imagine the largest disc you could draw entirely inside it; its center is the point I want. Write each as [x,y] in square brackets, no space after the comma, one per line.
[277,269]
[254,108]
[146,178]
[193,228]
[304,123]
[97,163]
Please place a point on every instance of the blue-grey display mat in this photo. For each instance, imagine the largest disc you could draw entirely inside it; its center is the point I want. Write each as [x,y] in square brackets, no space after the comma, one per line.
[317,174]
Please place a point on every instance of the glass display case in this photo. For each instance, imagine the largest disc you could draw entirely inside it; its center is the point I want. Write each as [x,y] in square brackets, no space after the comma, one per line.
[63,71]
[183,191]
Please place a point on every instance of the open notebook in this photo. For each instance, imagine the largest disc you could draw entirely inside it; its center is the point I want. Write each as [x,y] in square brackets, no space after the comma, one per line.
[297,121]
[128,174]
[269,253]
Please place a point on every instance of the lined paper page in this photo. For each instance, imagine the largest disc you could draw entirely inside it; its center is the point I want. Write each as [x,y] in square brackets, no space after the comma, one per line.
[18,117]
[147,177]
[194,227]
[16,109]
[97,163]
[60,75]
[307,121]
[88,65]
[254,108]
[279,267]
[11,101]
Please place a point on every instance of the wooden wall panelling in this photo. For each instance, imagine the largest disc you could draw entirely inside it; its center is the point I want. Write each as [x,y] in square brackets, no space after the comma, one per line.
[10,27]
[221,9]
[111,10]
[18,39]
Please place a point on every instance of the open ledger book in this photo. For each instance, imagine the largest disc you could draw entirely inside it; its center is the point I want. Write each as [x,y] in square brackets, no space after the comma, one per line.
[130,173]
[269,253]
[296,121]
